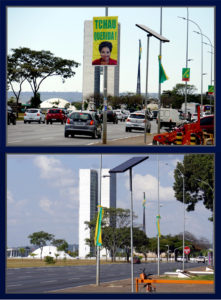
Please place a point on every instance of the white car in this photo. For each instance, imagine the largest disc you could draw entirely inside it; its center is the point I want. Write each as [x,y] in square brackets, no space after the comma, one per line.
[34,115]
[119,114]
[136,121]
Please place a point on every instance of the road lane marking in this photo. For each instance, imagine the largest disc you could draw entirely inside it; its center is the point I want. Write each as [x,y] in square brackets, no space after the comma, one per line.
[48,281]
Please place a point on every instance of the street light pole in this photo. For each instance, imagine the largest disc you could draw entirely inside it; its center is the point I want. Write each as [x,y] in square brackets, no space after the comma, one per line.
[158,213]
[201,55]
[187,39]
[104,136]
[182,175]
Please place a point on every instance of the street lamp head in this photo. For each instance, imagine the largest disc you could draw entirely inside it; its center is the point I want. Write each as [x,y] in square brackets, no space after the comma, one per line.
[182,18]
[196,32]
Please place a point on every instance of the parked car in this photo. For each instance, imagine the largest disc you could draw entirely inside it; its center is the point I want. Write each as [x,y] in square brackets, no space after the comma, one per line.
[56,115]
[34,115]
[111,117]
[200,259]
[136,121]
[136,260]
[11,117]
[83,123]
[180,258]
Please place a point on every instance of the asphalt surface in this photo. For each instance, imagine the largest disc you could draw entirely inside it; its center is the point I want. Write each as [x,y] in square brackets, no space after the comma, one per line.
[35,134]
[52,279]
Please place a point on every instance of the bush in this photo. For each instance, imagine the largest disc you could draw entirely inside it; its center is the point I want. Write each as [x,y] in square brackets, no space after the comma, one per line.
[49,260]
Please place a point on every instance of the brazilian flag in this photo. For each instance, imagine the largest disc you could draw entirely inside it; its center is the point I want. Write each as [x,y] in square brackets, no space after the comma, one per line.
[162,75]
[98,233]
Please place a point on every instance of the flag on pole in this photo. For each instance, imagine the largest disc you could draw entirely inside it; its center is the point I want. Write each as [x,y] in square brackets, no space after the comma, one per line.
[98,233]
[158,225]
[144,201]
[138,73]
[162,75]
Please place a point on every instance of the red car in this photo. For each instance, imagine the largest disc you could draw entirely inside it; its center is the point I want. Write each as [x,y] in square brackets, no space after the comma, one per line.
[55,115]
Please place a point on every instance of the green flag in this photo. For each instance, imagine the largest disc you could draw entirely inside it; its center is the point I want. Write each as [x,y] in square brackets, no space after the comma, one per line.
[162,75]
[98,233]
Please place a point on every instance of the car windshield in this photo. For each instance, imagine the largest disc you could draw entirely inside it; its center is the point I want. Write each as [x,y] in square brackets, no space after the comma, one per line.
[32,111]
[54,111]
[81,117]
[137,116]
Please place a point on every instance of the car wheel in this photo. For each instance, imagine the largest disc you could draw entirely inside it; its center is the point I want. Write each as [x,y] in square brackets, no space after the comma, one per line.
[66,134]
[51,122]
[47,122]
[29,122]
[24,122]
[126,129]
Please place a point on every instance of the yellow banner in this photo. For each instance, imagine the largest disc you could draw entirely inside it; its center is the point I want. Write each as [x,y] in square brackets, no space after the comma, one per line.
[105,41]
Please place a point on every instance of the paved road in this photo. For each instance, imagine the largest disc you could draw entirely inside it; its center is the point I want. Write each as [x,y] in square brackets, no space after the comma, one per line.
[43,280]
[35,134]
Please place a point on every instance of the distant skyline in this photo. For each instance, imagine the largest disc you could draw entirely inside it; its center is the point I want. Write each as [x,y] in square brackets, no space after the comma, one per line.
[61,32]
[46,196]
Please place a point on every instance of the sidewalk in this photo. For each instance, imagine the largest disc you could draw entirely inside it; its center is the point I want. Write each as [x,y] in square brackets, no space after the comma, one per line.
[130,141]
[124,286]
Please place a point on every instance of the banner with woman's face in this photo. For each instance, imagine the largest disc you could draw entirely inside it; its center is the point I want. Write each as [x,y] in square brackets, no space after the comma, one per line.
[105,41]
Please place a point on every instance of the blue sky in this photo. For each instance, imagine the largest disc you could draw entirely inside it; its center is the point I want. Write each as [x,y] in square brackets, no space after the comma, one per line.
[60,30]
[42,194]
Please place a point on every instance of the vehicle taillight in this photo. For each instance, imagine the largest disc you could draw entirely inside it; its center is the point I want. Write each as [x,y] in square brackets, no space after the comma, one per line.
[68,121]
[38,114]
[144,121]
[25,114]
[91,122]
[128,120]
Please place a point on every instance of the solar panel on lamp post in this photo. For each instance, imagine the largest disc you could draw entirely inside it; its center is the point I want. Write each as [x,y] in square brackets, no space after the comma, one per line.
[158,36]
[128,165]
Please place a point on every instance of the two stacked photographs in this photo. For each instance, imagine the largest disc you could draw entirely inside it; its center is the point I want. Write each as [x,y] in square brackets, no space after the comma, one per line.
[110,176]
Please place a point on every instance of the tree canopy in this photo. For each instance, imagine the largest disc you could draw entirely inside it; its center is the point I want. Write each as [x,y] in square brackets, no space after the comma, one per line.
[40,239]
[198,171]
[35,66]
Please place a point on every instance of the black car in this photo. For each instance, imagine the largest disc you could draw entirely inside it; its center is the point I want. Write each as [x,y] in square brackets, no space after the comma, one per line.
[11,117]
[83,123]
[111,117]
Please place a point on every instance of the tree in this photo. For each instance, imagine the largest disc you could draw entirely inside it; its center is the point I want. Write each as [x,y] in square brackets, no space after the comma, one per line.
[40,239]
[198,170]
[115,224]
[22,251]
[15,74]
[61,244]
[36,66]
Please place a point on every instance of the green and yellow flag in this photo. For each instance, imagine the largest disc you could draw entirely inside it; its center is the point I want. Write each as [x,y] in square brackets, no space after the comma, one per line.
[98,232]
[158,225]
[162,75]
[144,201]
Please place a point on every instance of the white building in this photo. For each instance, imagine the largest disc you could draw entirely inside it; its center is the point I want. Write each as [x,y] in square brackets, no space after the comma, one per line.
[89,193]
[50,251]
[92,74]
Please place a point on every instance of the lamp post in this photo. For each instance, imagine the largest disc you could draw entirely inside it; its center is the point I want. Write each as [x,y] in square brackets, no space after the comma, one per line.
[211,46]
[168,251]
[104,136]
[187,19]
[150,33]
[128,165]
[182,175]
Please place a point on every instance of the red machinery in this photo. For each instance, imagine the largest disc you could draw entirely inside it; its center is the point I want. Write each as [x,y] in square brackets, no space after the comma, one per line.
[186,134]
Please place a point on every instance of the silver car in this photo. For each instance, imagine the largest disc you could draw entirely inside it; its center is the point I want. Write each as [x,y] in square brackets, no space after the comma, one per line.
[34,115]
[136,121]
[83,123]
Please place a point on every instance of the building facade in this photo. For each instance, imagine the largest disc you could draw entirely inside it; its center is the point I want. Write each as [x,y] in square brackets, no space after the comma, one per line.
[92,75]
[89,193]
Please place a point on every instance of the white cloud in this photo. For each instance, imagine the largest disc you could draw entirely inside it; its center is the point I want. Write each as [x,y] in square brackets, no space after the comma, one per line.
[149,185]
[46,205]
[52,169]
[10,198]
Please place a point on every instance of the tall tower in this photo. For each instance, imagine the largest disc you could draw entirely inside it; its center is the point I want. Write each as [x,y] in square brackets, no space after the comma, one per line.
[89,189]
[92,74]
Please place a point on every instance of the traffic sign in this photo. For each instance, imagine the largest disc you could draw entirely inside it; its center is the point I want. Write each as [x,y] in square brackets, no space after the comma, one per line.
[211,89]
[187,250]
